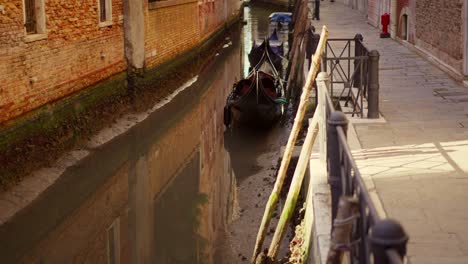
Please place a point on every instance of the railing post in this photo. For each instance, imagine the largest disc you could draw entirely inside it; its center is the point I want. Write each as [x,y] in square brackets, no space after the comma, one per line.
[323,82]
[387,235]
[357,53]
[336,119]
[373,90]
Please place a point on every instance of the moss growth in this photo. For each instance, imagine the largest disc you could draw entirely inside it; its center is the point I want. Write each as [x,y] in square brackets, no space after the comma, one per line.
[195,55]
[52,115]
[49,117]
[310,108]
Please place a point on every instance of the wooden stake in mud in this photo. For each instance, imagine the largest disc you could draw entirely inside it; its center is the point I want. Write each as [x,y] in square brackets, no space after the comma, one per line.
[348,209]
[299,30]
[295,187]
[273,199]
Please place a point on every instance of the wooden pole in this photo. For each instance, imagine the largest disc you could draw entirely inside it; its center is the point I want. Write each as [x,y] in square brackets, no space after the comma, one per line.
[295,187]
[299,30]
[298,18]
[273,199]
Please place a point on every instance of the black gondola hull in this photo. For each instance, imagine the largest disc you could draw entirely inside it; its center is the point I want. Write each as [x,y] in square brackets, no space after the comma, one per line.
[256,54]
[255,107]
[256,115]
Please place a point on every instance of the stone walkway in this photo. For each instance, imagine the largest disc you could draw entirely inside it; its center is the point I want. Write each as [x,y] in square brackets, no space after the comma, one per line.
[417,161]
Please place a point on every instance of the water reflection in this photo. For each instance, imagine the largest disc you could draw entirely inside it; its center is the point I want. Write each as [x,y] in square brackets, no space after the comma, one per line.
[258,27]
[244,144]
[162,192]
[184,187]
[177,217]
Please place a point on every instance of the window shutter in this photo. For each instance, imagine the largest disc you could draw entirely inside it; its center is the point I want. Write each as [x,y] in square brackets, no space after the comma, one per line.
[102,9]
[30,10]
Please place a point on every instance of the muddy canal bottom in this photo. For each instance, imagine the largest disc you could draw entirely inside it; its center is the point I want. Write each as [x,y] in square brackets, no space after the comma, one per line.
[254,156]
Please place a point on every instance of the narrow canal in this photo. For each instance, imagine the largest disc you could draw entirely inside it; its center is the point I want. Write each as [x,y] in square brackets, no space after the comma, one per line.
[175,188]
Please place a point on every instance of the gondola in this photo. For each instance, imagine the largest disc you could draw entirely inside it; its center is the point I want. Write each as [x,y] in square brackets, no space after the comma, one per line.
[281,19]
[273,46]
[256,100]
[276,44]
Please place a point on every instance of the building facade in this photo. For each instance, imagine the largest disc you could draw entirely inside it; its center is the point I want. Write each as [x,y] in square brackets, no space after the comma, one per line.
[437,29]
[117,204]
[441,31]
[50,50]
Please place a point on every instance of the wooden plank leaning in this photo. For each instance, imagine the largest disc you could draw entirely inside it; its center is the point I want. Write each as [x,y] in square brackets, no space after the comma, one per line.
[295,187]
[273,199]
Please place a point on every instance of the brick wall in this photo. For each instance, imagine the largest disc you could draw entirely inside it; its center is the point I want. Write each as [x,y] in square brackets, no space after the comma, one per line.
[401,4]
[439,29]
[170,30]
[167,37]
[211,14]
[217,12]
[233,7]
[77,53]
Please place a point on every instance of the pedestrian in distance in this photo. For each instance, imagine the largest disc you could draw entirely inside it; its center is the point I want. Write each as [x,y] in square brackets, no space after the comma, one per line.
[316,14]
[312,42]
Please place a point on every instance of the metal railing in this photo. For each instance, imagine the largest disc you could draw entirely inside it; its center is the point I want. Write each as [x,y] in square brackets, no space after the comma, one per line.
[352,66]
[383,239]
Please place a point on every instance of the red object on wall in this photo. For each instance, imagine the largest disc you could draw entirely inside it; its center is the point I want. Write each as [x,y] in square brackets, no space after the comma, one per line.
[385,21]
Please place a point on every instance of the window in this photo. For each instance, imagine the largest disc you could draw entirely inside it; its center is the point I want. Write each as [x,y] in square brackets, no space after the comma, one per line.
[30,11]
[34,19]
[105,12]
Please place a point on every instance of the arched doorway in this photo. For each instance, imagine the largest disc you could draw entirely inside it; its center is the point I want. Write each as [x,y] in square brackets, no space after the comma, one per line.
[404,24]
[404,27]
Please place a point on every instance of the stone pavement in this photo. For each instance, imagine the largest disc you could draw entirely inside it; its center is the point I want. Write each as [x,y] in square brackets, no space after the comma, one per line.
[417,161]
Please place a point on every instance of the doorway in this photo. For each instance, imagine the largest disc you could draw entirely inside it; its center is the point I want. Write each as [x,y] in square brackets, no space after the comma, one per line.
[404,27]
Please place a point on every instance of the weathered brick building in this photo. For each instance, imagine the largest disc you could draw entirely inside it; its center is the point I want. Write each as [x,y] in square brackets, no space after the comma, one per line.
[116,206]
[440,31]
[149,196]
[50,50]
[437,29]
[170,29]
